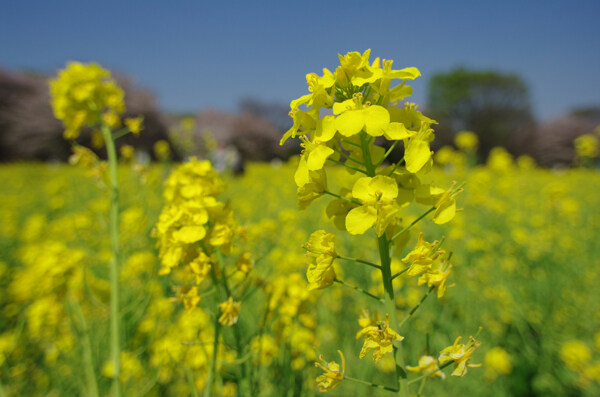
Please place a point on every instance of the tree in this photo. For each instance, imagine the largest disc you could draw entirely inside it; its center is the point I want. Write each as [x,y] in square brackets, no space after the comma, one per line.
[494,105]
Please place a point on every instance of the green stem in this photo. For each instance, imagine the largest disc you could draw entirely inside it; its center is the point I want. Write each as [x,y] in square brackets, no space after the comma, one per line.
[213,359]
[413,223]
[354,287]
[341,197]
[387,154]
[364,382]
[243,383]
[390,304]
[350,143]
[396,166]
[386,274]
[414,309]
[421,387]
[114,265]
[191,381]
[347,166]
[90,374]
[401,272]
[347,157]
[359,261]
[120,133]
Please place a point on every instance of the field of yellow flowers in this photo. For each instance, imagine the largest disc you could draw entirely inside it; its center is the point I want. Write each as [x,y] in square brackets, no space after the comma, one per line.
[525,256]
[340,271]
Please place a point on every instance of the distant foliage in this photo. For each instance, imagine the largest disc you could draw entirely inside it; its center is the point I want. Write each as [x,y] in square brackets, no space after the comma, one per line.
[495,105]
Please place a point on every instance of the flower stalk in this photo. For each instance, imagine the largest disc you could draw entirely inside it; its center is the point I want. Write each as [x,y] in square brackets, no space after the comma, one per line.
[114,264]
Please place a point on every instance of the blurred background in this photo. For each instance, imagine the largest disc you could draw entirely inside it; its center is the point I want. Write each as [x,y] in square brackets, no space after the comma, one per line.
[523,75]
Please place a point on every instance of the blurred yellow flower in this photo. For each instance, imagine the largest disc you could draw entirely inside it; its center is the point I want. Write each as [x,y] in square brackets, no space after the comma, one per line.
[135,124]
[83,95]
[497,362]
[427,365]
[575,354]
[230,311]
[466,141]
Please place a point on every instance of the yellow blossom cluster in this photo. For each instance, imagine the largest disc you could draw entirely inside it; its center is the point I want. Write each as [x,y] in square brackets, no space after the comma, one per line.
[86,95]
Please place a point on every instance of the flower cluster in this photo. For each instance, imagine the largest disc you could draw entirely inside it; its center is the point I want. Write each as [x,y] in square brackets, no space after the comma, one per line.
[427,260]
[85,95]
[192,214]
[354,117]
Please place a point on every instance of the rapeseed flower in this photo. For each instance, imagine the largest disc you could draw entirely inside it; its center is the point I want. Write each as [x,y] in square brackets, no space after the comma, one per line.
[379,337]
[321,251]
[83,95]
[230,311]
[466,141]
[378,198]
[333,375]
[427,365]
[461,355]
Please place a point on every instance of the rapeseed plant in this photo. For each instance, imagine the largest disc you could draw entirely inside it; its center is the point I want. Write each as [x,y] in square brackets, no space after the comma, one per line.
[85,95]
[365,107]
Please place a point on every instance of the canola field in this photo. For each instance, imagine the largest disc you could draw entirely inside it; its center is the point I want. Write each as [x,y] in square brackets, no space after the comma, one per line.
[525,269]
[347,270]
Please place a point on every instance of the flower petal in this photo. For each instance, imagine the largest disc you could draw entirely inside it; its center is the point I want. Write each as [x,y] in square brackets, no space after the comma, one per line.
[417,155]
[376,119]
[361,219]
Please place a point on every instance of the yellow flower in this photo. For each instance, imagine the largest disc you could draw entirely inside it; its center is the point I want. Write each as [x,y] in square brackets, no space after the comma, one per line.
[313,189]
[135,124]
[83,156]
[460,354]
[421,257]
[321,251]
[127,152]
[350,64]
[575,354]
[466,141]
[189,297]
[379,208]
[445,206]
[230,311]
[586,145]
[437,277]
[162,150]
[379,337]
[315,152]
[497,362]
[333,376]
[201,267]
[83,95]
[354,116]
[427,365]
[245,263]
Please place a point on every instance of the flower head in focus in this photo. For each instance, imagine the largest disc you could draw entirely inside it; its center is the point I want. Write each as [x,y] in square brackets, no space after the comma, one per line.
[461,355]
[379,337]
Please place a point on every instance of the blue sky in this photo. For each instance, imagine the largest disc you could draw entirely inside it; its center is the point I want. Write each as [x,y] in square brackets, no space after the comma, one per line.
[194,55]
